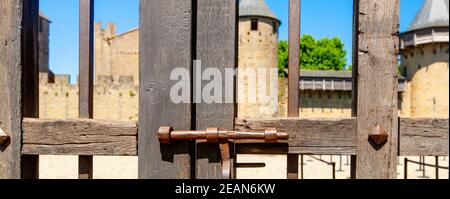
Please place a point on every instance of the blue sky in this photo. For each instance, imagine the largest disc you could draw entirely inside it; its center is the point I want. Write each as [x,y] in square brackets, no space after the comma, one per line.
[320,18]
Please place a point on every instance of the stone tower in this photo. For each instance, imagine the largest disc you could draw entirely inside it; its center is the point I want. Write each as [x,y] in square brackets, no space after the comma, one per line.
[44,35]
[258,46]
[424,54]
[116,55]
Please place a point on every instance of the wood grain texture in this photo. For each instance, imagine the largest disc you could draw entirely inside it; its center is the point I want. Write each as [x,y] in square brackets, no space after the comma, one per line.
[355,51]
[294,76]
[338,137]
[79,137]
[10,87]
[165,44]
[418,137]
[378,48]
[86,63]
[216,47]
[30,78]
[308,136]
[86,77]
[427,137]
[424,137]
[292,166]
[294,58]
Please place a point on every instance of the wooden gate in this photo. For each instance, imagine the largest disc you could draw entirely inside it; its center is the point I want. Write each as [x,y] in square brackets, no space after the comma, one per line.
[174,33]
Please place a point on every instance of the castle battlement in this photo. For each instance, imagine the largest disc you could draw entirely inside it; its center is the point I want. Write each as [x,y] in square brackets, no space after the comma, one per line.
[115,97]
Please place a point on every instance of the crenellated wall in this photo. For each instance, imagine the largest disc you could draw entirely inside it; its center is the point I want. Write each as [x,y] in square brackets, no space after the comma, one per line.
[115,98]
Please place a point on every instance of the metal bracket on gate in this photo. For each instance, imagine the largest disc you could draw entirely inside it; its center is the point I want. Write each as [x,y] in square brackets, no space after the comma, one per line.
[166,135]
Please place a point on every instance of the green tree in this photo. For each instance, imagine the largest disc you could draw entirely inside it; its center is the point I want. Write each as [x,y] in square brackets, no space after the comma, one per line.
[283,57]
[324,54]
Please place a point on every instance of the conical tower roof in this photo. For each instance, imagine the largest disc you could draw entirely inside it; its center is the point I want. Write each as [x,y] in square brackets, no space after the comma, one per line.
[434,13]
[255,8]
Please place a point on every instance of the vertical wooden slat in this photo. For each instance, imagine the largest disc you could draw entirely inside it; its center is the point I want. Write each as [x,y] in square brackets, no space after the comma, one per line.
[436,160]
[86,77]
[354,76]
[292,166]
[30,78]
[165,44]
[378,46]
[353,167]
[216,47]
[294,76]
[294,58]
[10,87]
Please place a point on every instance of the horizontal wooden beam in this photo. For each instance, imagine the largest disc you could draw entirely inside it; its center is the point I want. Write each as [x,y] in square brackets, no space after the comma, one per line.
[79,137]
[418,137]
[424,137]
[306,136]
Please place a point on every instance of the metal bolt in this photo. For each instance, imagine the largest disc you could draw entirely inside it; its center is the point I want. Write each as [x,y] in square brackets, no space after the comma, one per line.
[164,134]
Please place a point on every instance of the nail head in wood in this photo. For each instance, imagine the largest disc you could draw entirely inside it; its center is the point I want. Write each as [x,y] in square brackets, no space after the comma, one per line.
[164,134]
[378,135]
[3,136]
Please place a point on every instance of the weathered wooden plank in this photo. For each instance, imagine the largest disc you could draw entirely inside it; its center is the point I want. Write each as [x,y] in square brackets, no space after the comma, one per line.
[292,166]
[86,64]
[355,52]
[10,87]
[294,58]
[420,137]
[424,137]
[165,44]
[294,76]
[86,77]
[417,136]
[79,137]
[30,78]
[378,48]
[312,136]
[216,47]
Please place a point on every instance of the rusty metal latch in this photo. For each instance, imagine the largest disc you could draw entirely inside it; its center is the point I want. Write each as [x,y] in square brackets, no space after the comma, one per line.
[167,135]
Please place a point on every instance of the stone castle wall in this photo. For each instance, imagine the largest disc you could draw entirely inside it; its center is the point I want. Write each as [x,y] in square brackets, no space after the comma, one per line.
[115,98]
[316,104]
[116,80]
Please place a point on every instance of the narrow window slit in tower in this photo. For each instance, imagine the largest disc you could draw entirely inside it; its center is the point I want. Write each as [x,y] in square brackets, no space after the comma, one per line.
[254,25]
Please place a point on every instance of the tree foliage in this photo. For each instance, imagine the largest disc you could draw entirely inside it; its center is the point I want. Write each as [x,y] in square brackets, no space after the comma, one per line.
[283,57]
[323,54]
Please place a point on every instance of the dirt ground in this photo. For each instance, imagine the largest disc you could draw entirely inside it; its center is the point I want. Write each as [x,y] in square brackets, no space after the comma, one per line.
[66,167]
